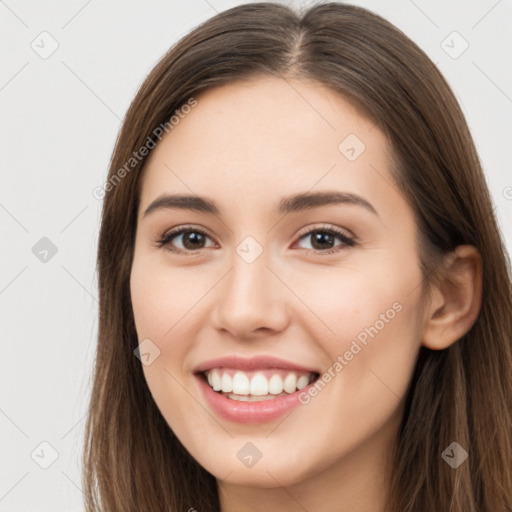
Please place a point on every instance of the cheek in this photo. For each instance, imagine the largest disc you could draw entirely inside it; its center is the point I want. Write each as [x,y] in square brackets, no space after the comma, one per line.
[163,299]
[160,301]
[368,323]
[377,354]
[163,303]
[338,304]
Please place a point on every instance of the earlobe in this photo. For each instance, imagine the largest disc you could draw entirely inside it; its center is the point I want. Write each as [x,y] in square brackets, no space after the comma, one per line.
[455,300]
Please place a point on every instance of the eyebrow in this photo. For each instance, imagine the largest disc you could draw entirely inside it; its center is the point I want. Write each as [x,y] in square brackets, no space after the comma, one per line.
[294,203]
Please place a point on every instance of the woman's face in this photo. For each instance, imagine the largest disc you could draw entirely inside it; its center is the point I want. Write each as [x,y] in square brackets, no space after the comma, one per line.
[277,285]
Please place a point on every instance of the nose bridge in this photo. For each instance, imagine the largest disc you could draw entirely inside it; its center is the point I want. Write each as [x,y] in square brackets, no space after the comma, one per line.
[250,297]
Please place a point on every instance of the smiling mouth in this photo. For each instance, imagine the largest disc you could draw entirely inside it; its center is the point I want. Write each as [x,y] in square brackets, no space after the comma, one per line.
[257,385]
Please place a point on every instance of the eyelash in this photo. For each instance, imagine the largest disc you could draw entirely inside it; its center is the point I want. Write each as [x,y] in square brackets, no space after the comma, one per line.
[166,238]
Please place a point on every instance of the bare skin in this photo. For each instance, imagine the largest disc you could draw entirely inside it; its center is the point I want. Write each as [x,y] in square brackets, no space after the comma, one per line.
[245,146]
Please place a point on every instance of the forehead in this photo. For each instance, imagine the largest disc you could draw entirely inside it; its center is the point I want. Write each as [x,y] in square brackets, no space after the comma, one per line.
[249,140]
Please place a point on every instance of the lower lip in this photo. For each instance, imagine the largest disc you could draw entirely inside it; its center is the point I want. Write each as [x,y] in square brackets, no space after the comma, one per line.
[249,412]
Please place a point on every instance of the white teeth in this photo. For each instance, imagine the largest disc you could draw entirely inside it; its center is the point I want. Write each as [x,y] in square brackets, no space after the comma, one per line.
[259,385]
[275,385]
[240,384]
[290,383]
[216,384]
[302,382]
[227,383]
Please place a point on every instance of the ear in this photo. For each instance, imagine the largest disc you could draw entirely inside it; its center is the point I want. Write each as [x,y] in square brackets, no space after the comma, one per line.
[456,300]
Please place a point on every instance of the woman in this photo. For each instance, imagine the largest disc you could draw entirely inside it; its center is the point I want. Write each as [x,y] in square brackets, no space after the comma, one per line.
[238,369]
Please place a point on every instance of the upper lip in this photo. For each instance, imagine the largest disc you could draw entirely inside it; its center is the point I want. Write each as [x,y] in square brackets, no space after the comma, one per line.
[251,363]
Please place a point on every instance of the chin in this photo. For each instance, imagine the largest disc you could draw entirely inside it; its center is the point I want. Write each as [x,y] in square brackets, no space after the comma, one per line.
[276,471]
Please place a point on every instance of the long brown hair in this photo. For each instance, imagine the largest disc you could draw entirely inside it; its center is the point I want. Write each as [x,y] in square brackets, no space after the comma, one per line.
[463,394]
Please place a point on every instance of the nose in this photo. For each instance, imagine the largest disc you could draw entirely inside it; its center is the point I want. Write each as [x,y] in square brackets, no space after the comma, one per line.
[251,301]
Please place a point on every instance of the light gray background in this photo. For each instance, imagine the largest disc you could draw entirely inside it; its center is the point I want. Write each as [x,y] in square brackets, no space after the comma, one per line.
[59,119]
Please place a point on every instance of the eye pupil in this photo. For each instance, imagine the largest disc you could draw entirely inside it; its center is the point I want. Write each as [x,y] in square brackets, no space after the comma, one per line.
[193,236]
[322,236]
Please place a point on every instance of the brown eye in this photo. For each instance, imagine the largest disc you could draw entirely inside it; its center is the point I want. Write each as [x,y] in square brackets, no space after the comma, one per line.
[323,239]
[192,239]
